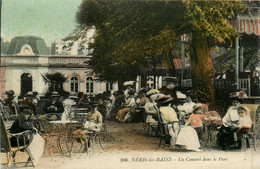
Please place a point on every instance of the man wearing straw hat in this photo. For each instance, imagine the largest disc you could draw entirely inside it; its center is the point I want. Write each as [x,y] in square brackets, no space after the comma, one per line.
[54,106]
[29,102]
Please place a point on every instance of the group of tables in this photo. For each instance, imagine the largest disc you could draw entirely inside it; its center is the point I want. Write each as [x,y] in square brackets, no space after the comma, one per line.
[61,132]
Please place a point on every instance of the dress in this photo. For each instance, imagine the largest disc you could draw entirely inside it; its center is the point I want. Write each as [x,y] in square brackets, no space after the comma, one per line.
[231,118]
[169,116]
[122,113]
[150,110]
[94,121]
[188,107]
[18,126]
[196,121]
[188,138]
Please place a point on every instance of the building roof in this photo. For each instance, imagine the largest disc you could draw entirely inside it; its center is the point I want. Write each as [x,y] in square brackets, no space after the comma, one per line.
[36,43]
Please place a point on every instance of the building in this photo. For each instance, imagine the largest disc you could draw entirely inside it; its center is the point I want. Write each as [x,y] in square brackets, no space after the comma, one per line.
[28,58]
[4,46]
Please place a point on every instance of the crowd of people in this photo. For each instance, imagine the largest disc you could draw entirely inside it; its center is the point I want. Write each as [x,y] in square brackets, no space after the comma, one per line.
[184,119]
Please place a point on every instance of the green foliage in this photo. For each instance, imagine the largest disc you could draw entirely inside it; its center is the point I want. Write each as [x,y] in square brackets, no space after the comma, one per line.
[56,81]
[211,17]
[132,36]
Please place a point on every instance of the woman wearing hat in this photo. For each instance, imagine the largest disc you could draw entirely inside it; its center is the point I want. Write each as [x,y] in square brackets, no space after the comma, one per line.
[21,124]
[93,122]
[169,116]
[227,133]
[231,119]
[196,120]
[127,112]
[150,109]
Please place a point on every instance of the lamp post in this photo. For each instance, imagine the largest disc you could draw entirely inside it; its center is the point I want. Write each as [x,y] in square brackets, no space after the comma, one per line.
[237,62]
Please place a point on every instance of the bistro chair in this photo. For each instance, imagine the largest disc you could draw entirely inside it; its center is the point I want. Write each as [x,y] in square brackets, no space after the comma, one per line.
[23,141]
[248,139]
[149,127]
[164,131]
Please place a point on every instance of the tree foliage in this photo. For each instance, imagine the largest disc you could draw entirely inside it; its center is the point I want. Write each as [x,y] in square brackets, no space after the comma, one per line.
[130,35]
[56,81]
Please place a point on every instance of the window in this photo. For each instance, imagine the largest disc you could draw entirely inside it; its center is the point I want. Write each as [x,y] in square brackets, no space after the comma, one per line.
[109,86]
[26,83]
[149,83]
[89,85]
[74,84]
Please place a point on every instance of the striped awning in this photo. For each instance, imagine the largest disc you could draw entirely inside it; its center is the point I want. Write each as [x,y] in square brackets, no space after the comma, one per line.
[185,37]
[177,63]
[246,24]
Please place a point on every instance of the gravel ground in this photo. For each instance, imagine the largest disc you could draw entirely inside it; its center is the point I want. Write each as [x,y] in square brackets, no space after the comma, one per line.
[126,146]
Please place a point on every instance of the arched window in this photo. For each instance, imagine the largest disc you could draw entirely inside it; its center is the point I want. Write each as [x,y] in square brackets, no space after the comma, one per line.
[149,83]
[26,83]
[74,84]
[109,86]
[89,85]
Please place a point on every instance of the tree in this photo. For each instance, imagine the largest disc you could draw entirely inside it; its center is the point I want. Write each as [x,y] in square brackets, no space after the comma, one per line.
[205,19]
[130,34]
[56,81]
[127,42]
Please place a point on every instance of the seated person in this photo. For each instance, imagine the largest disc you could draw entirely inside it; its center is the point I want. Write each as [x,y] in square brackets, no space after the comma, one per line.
[196,120]
[109,108]
[245,123]
[231,118]
[54,106]
[188,139]
[188,106]
[169,116]
[21,124]
[143,99]
[125,113]
[29,101]
[152,117]
[93,122]
[71,101]
[101,107]
[227,133]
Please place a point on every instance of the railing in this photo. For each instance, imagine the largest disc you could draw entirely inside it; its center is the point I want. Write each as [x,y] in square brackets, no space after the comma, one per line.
[67,59]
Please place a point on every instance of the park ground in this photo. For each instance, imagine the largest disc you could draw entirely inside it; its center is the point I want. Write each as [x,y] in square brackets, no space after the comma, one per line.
[126,146]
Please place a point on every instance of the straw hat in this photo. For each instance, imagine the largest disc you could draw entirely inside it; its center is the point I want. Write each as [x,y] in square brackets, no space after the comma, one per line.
[196,106]
[165,99]
[29,94]
[55,94]
[244,108]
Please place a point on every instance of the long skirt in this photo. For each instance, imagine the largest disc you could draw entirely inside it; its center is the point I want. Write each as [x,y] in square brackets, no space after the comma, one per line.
[121,114]
[188,138]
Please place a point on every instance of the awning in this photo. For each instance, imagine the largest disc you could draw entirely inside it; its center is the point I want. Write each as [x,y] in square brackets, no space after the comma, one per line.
[177,63]
[246,24]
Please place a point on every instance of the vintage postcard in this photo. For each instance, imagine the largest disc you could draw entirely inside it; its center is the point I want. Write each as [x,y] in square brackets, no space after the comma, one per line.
[107,84]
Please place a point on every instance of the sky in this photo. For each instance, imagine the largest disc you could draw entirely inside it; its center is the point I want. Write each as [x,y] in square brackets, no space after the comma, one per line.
[48,19]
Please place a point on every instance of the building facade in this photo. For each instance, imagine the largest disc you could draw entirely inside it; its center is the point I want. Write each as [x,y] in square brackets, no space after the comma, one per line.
[27,59]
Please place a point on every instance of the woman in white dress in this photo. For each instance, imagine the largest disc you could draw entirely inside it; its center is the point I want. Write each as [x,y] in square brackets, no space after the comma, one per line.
[188,139]
[150,110]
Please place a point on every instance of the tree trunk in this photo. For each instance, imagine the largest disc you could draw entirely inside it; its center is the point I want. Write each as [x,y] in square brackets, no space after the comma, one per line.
[202,69]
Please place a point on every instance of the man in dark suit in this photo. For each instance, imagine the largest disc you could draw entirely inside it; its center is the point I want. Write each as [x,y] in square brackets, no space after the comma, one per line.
[54,106]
